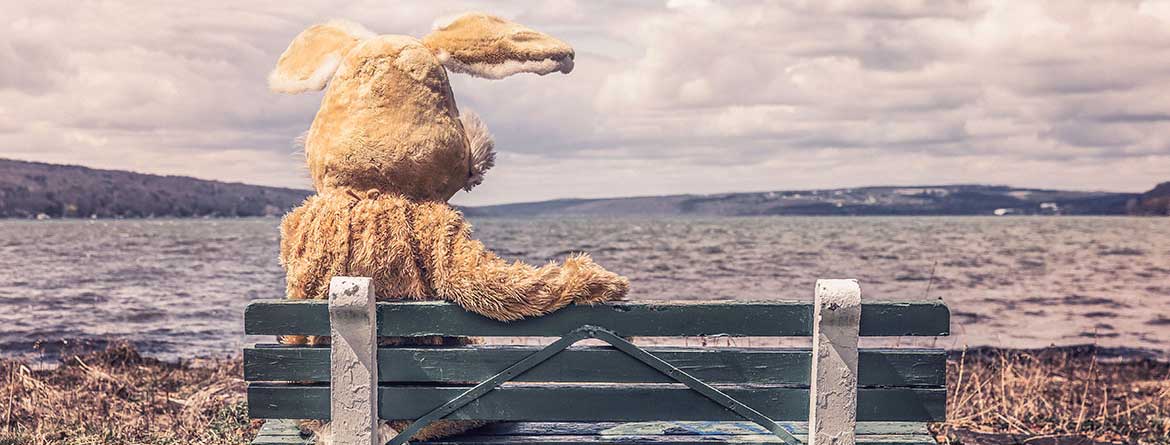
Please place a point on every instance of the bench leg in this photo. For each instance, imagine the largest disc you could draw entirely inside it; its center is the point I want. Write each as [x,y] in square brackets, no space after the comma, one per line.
[353,398]
[833,394]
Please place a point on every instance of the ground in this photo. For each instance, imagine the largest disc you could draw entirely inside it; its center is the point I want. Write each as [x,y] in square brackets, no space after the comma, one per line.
[995,396]
[116,396]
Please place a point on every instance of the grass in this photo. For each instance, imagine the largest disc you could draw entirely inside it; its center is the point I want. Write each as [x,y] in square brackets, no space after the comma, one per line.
[1025,396]
[116,396]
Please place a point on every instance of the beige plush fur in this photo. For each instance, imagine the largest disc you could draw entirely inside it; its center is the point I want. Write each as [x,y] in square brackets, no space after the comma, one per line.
[314,55]
[387,149]
[422,250]
[488,46]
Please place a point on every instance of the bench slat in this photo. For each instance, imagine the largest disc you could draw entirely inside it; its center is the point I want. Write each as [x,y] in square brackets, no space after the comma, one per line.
[585,403]
[675,428]
[760,439]
[286,432]
[281,432]
[645,319]
[877,367]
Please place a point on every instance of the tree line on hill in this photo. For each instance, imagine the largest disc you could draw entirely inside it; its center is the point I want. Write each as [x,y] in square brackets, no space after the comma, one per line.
[40,190]
[34,189]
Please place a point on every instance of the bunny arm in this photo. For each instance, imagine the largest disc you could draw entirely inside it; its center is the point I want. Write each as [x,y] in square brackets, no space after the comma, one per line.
[461,270]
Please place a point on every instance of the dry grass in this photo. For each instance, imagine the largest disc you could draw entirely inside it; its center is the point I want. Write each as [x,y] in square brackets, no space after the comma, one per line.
[1059,393]
[116,396]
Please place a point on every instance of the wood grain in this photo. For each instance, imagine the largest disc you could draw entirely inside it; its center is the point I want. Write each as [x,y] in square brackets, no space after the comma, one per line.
[643,319]
[773,366]
[591,403]
[286,432]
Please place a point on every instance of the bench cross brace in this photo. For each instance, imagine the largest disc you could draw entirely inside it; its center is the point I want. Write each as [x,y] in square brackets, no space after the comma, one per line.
[622,345]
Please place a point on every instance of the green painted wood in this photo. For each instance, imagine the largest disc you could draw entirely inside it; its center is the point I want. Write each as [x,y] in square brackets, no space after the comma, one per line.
[675,428]
[287,432]
[666,440]
[281,432]
[708,391]
[877,367]
[482,388]
[591,403]
[656,319]
[274,401]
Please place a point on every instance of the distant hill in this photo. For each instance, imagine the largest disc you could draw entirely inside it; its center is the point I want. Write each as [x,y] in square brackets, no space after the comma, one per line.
[1155,202]
[29,189]
[921,200]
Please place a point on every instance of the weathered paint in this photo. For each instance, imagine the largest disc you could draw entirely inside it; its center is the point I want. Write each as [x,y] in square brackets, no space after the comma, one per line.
[286,432]
[761,366]
[711,393]
[675,427]
[596,402]
[353,362]
[281,432]
[642,319]
[760,439]
[472,395]
[906,383]
[833,393]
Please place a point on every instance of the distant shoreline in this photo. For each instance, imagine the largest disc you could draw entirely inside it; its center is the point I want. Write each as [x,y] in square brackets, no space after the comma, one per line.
[926,200]
[31,190]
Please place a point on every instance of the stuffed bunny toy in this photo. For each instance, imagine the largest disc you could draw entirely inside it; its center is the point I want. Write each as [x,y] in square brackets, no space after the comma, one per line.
[387,149]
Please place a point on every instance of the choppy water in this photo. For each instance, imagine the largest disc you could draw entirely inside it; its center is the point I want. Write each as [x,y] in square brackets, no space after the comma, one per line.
[178,287]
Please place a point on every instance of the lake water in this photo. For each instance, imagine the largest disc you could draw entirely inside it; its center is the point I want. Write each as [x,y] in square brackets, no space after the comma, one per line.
[177,288]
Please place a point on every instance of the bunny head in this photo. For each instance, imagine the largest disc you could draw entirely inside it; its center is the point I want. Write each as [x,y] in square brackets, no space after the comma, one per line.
[388,120]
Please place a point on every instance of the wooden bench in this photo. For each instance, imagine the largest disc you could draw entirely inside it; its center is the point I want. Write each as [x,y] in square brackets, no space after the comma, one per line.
[621,393]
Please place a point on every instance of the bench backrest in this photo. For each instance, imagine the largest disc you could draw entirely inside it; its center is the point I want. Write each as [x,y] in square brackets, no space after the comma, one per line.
[600,383]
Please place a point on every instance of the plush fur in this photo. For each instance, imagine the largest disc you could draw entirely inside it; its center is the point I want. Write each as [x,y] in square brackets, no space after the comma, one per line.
[421,250]
[482,146]
[386,151]
[487,46]
[313,57]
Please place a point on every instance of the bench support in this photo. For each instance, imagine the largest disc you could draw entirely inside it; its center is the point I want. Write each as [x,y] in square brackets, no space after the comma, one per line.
[354,371]
[353,362]
[833,394]
[620,344]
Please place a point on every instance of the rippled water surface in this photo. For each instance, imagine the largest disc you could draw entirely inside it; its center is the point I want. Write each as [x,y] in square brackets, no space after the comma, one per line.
[178,287]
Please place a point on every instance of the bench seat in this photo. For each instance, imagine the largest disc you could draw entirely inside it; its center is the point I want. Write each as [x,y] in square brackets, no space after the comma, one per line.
[615,393]
[286,432]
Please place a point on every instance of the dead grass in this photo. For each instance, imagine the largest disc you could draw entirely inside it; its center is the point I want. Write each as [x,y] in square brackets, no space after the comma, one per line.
[116,396]
[1054,393]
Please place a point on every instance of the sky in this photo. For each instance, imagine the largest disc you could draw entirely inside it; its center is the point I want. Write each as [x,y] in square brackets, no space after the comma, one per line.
[665,97]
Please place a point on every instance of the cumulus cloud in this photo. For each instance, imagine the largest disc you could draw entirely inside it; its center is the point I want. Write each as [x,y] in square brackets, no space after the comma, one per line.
[670,97]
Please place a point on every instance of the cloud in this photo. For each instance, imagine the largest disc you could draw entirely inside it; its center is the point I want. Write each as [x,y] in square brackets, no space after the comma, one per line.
[670,97]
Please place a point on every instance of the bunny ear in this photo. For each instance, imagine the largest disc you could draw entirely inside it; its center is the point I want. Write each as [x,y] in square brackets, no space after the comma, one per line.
[314,55]
[481,145]
[487,46]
